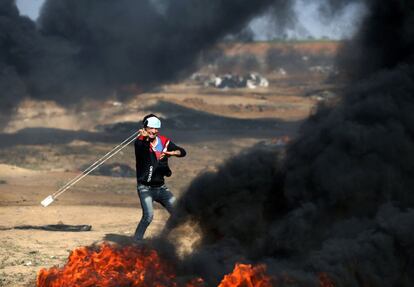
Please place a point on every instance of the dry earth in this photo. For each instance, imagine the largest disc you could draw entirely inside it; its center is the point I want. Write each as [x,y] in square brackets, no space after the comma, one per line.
[45,145]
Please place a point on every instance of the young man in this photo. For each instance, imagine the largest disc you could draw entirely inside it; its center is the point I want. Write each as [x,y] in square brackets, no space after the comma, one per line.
[151,154]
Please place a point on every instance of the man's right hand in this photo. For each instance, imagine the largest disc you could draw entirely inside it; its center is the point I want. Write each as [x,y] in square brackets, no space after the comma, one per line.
[143,133]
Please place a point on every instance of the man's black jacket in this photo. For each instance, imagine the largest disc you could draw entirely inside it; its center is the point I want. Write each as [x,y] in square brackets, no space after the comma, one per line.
[150,170]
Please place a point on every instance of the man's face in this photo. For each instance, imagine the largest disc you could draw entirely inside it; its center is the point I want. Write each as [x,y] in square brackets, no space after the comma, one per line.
[152,132]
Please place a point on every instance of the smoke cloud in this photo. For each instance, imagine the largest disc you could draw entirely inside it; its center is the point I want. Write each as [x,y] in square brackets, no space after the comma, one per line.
[341,199]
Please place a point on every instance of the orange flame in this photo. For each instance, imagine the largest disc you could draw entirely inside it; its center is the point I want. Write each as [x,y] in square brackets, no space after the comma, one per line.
[248,276]
[111,266]
[107,266]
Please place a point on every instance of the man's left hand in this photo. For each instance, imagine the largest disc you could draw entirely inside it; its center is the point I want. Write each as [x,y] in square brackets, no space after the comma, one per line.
[170,153]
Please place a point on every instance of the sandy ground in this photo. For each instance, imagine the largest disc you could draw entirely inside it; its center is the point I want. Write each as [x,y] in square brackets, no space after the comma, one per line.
[24,252]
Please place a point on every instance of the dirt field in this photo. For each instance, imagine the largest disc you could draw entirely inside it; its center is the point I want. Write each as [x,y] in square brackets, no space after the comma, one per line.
[310,47]
[45,145]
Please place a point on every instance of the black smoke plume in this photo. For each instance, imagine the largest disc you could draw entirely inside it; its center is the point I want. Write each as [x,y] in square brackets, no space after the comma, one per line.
[341,199]
[15,32]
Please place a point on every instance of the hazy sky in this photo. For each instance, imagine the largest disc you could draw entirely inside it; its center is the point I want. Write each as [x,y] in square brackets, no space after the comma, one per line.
[29,7]
[309,21]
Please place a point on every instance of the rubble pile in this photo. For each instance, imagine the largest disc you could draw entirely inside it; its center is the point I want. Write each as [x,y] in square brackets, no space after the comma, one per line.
[230,81]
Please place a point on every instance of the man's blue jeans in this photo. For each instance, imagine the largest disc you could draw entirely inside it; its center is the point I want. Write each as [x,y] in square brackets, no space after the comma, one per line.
[148,194]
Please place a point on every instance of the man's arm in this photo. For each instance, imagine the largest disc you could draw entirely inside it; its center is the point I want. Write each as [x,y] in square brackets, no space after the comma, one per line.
[175,150]
[141,144]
